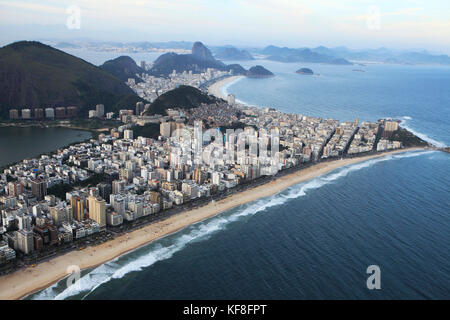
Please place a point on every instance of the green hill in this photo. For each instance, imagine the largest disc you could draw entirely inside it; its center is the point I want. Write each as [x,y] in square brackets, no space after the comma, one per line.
[184,97]
[123,68]
[36,75]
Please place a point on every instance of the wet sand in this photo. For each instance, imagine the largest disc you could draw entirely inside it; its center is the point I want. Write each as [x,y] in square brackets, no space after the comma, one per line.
[216,88]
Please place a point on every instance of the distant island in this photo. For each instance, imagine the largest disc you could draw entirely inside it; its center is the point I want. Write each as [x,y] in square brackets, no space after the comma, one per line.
[304,71]
[259,72]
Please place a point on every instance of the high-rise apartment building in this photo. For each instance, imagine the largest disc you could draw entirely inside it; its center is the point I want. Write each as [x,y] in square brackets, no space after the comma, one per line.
[77,204]
[97,210]
[100,109]
[39,189]
[128,134]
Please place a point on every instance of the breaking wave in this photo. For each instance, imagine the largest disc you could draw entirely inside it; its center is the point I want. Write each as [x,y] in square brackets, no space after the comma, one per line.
[422,136]
[156,251]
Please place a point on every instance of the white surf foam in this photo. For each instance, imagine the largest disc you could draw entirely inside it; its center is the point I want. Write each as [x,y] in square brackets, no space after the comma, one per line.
[224,92]
[422,136]
[224,89]
[118,268]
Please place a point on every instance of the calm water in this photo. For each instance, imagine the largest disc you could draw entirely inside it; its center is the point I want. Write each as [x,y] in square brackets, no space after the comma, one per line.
[316,239]
[420,95]
[17,144]
[99,57]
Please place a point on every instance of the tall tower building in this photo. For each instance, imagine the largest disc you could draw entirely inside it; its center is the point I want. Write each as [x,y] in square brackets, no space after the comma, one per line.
[15,188]
[165,129]
[231,99]
[25,240]
[128,134]
[77,204]
[39,189]
[61,214]
[104,190]
[97,210]
[139,108]
[100,109]
[118,186]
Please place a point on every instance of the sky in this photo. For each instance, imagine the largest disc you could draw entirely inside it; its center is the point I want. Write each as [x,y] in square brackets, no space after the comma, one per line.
[399,24]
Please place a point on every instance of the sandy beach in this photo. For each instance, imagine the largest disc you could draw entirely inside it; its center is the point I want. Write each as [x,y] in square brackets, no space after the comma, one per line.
[25,281]
[216,88]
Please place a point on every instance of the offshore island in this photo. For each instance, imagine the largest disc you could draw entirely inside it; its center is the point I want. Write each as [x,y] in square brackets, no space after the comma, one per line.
[93,201]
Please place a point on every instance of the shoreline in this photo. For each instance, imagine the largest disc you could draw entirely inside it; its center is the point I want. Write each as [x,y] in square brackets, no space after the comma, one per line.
[24,282]
[5,166]
[44,126]
[94,134]
[216,88]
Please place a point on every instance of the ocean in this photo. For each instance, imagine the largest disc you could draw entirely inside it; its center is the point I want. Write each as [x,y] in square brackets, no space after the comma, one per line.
[316,239]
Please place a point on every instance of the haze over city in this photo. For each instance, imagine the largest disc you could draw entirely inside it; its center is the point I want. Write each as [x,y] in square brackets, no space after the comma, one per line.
[360,24]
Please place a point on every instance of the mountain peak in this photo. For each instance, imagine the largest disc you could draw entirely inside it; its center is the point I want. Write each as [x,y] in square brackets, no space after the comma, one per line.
[123,67]
[25,44]
[201,52]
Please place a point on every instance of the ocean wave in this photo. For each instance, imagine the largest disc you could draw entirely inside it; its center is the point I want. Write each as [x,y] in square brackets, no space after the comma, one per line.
[125,264]
[422,136]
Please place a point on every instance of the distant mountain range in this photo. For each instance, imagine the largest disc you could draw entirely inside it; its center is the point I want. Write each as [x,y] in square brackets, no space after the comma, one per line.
[300,55]
[198,61]
[321,54]
[143,45]
[33,75]
[231,53]
[342,55]
[385,55]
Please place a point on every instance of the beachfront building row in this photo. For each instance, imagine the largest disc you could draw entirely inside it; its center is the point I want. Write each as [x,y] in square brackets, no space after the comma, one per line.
[88,189]
[38,113]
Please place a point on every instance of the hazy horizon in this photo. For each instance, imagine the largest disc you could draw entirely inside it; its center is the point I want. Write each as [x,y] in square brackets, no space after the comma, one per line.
[403,25]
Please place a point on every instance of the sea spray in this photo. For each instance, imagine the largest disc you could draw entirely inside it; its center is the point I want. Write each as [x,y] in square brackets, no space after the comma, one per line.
[155,251]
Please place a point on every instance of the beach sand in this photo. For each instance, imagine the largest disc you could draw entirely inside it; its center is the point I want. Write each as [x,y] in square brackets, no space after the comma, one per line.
[216,88]
[25,281]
